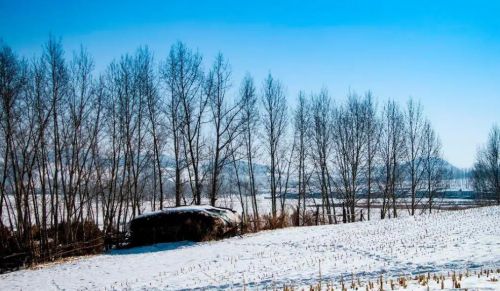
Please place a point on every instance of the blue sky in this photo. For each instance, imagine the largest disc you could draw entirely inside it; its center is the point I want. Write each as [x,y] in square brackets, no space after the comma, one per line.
[447,54]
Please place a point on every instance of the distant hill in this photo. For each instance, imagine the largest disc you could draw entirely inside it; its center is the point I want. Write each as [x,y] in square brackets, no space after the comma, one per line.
[261,171]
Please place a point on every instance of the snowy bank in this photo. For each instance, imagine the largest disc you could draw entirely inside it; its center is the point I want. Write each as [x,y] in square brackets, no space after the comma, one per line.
[442,242]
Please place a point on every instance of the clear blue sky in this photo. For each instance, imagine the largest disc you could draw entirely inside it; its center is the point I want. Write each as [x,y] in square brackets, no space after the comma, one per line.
[447,54]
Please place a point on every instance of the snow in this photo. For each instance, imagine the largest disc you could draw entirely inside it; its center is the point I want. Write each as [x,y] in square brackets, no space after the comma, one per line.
[442,242]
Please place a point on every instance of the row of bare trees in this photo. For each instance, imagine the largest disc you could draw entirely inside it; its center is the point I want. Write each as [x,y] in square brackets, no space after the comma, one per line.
[50,121]
[78,146]
[354,154]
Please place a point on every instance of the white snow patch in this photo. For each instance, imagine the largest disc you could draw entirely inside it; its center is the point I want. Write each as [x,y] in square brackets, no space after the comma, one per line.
[441,242]
[228,215]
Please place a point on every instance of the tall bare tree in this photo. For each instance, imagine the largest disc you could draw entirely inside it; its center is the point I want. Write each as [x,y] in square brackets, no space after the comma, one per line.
[12,84]
[414,130]
[148,83]
[302,123]
[392,151]
[322,138]
[184,78]
[42,112]
[373,131]
[350,140]
[250,120]
[77,129]
[274,121]
[433,165]
[225,118]
[57,76]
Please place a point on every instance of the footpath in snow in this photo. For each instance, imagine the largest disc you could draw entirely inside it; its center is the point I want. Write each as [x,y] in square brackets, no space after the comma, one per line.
[442,242]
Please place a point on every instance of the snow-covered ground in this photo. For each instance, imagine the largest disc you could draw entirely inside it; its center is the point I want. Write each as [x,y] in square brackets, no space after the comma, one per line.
[442,242]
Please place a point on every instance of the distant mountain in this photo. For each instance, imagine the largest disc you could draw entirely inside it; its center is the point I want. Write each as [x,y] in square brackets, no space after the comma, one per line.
[261,171]
[456,172]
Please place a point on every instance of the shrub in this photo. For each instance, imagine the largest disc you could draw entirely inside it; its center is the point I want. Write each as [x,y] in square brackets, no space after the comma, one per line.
[183,223]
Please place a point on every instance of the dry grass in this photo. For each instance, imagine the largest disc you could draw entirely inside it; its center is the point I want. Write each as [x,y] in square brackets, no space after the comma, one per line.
[443,281]
[252,224]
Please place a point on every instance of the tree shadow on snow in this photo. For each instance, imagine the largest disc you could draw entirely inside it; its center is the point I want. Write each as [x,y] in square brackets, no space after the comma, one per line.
[160,247]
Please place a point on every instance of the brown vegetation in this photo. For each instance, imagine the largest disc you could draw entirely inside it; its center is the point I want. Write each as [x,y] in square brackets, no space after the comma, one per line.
[450,280]
[172,226]
[86,238]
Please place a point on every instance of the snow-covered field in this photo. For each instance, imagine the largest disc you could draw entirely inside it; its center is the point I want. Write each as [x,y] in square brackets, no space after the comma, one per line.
[442,242]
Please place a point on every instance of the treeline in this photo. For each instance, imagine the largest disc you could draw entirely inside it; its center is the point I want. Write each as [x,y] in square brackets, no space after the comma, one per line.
[79,147]
[360,152]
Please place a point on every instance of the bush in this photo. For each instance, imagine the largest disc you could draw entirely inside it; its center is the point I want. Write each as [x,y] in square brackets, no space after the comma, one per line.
[73,239]
[280,221]
[78,239]
[8,243]
[12,254]
[200,223]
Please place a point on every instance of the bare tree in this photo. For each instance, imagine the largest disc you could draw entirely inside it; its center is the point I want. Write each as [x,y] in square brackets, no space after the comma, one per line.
[156,124]
[77,129]
[414,150]
[322,138]
[110,155]
[170,77]
[12,86]
[349,147]
[42,112]
[434,170]
[486,172]
[274,120]
[250,120]
[392,151]
[184,79]
[373,131]
[225,119]
[302,123]
[126,115]
[57,76]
